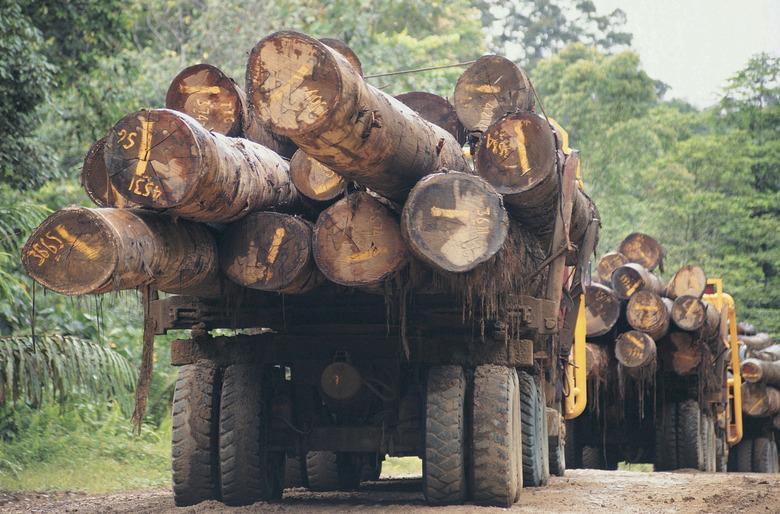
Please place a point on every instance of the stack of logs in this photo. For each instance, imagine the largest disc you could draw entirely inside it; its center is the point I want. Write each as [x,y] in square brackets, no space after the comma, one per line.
[313,176]
[760,356]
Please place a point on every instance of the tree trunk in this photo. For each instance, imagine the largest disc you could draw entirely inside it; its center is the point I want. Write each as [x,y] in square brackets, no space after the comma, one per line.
[596,361]
[342,48]
[771,353]
[757,342]
[165,160]
[204,92]
[271,252]
[435,109]
[690,313]
[310,93]
[754,370]
[649,313]
[688,281]
[95,181]
[488,89]
[684,355]
[635,351]
[759,400]
[602,309]
[608,263]
[78,250]
[745,329]
[642,249]
[454,221]
[314,180]
[631,278]
[357,241]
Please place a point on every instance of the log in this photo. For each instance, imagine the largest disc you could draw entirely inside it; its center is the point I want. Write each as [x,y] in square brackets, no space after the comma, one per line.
[204,92]
[776,422]
[454,221]
[596,361]
[608,263]
[342,48]
[757,342]
[770,353]
[755,370]
[311,94]
[690,313]
[635,351]
[357,241]
[683,355]
[648,312]
[490,88]
[642,249]
[270,251]
[192,173]
[631,278]
[760,400]
[602,309]
[435,109]
[745,329]
[314,180]
[95,181]
[78,250]
[689,281]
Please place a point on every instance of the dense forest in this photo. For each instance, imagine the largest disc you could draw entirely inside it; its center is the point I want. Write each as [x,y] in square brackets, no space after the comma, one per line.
[706,182]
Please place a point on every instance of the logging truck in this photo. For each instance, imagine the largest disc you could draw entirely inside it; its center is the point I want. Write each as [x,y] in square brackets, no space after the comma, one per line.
[387,295]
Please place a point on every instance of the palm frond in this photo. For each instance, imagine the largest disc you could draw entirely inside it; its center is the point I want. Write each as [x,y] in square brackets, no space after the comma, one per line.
[17,220]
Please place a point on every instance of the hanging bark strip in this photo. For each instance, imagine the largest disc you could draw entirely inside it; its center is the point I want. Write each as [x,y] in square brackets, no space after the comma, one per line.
[636,352]
[632,278]
[204,92]
[95,181]
[357,241]
[342,48]
[602,309]
[643,249]
[147,360]
[436,109]
[314,180]
[310,93]
[454,221]
[596,361]
[688,280]
[649,313]
[608,263]
[78,250]
[271,252]
[165,160]
[490,88]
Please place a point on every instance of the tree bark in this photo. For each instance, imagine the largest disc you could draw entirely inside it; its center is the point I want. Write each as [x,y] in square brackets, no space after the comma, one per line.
[87,251]
[642,249]
[357,241]
[488,89]
[631,278]
[270,251]
[602,309]
[608,263]
[204,92]
[95,181]
[310,93]
[314,180]
[770,353]
[342,48]
[755,370]
[684,355]
[757,342]
[165,160]
[435,109]
[648,312]
[596,361]
[635,351]
[687,281]
[759,400]
[454,221]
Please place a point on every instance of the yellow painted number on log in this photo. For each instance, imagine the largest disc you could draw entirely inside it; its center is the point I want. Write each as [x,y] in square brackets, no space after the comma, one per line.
[191,90]
[45,247]
[522,153]
[499,144]
[143,150]
[128,138]
[77,244]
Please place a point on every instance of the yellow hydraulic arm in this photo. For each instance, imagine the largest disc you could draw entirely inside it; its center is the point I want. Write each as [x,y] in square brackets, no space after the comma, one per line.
[576,377]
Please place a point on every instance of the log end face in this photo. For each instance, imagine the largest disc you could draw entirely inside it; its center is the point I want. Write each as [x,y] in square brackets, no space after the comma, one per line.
[602,309]
[688,312]
[72,252]
[607,264]
[293,82]
[634,349]
[751,370]
[95,181]
[642,249]
[153,157]
[314,180]
[689,280]
[626,280]
[208,95]
[646,311]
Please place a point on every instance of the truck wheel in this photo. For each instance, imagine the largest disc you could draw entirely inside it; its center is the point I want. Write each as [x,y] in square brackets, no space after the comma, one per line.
[249,471]
[690,443]
[534,436]
[592,457]
[666,439]
[294,473]
[195,438]
[764,455]
[745,456]
[494,451]
[444,469]
[331,471]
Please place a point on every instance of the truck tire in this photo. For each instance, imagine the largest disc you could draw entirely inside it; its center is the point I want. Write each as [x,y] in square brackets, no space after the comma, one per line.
[534,436]
[195,435]
[294,473]
[332,471]
[666,439]
[444,468]
[571,449]
[494,452]
[745,456]
[592,457]
[690,440]
[764,455]
[249,471]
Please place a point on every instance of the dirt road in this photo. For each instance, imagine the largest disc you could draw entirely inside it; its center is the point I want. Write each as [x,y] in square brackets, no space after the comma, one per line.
[581,491]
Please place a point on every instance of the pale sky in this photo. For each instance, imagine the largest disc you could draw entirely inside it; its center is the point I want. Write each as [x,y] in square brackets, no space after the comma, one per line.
[696,45]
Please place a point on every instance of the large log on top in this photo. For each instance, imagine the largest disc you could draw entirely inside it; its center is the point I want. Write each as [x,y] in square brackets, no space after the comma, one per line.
[165,160]
[454,221]
[642,249]
[760,400]
[649,313]
[490,88]
[357,241]
[755,370]
[314,180]
[681,353]
[204,92]
[688,280]
[691,313]
[636,352]
[608,263]
[95,181]
[757,342]
[632,277]
[436,109]
[602,309]
[81,251]
[270,251]
[311,94]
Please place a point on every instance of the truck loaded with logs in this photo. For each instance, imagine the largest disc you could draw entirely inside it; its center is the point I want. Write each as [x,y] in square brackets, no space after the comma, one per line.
[391,293]
[662,366]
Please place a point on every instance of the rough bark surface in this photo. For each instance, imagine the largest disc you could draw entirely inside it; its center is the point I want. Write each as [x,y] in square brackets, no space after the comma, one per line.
[435,109]
[632,278]
[342,48]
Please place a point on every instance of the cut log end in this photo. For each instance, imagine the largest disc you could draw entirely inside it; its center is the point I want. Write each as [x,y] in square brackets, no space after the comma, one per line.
[648,312]
[342,48]
[602,309]
[685,356]
[642,249]
[634,349]
[454,221]
[96,183]
[688,280]
[751,370]
[435,109]
[632,278]
[357,241]
[488,89]
[607,264]
[688,312]
[204,92]
[314,180]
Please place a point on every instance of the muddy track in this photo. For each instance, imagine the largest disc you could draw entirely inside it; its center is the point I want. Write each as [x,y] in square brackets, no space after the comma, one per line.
[580,491]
